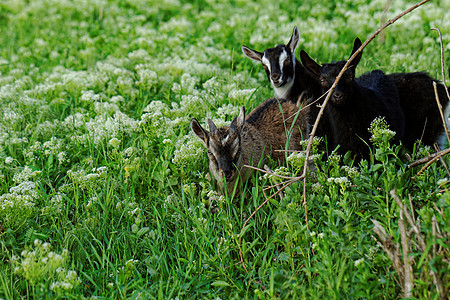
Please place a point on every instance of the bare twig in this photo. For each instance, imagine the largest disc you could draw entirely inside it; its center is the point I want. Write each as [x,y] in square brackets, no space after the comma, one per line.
[409,277]
[390,248]
[411,206]
[434,232]
[431,157]
[432,161]
[383,17]
[267,172]
[306,106]
[416,228]
[266,167]
[442,62]
[443,163]
[436,96]
[243,227]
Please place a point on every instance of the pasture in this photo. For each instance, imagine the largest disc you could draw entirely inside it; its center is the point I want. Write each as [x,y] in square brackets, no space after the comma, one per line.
[104,189]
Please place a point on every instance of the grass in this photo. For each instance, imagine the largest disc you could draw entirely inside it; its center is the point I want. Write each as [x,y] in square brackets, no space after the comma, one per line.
[104,190]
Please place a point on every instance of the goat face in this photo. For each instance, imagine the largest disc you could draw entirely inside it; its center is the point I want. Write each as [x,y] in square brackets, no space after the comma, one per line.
[224,148]
[278,62]
[327,74]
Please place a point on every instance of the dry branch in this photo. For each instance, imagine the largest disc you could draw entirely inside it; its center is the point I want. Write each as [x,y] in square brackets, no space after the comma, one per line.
[438,102]
[442,62]
[432,157]
[408,276]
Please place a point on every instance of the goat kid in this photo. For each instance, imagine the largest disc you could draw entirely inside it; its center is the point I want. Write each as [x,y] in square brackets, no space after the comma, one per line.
[290,79]
[269,127]
[355,103]
[287,75]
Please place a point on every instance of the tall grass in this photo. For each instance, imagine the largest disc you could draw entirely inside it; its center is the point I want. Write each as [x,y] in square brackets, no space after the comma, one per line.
[104,191]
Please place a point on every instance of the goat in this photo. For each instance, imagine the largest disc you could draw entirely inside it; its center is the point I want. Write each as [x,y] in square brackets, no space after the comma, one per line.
[355,103]
[289,78]
[269,127]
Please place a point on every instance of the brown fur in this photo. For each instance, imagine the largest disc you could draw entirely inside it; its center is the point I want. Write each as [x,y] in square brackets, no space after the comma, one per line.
[262,132]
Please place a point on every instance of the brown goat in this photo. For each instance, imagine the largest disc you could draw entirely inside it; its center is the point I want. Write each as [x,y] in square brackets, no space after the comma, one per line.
[269,127]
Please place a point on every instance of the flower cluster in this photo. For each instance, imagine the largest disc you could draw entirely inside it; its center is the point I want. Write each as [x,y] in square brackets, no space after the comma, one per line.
[17,206]
[43,266]
[381,134]
[131,208]
[89,182]
[341,181]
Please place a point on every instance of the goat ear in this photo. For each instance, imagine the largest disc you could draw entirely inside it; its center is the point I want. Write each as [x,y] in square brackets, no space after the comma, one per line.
[252,54]
[238,123]
[199,131]
[212,126]
[356,46]
[309,63]
[293,42]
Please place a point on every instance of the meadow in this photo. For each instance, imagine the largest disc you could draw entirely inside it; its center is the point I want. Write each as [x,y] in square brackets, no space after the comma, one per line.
[103,188]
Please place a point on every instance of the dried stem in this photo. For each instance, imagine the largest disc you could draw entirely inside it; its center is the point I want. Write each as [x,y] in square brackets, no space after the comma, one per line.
[411,222]
[266,167]
[431,157]
[442,62]
[436,96]
[433,160]
[392,249]
[409,277]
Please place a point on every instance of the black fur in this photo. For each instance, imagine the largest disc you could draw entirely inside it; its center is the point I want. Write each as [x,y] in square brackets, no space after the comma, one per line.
[422,117]
[355,103]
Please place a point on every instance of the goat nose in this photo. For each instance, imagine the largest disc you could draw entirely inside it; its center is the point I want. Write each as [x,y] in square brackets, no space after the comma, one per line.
[228,174]
[338,97]
[275,77]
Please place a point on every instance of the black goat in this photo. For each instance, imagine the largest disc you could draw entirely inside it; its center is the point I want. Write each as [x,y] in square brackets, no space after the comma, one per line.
[355,103]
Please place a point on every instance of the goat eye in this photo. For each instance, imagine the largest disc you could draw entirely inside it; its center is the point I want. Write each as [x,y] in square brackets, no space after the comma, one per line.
[211,155]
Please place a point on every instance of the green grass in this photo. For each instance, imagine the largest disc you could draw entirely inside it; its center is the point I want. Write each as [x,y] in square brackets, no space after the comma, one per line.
[100,175]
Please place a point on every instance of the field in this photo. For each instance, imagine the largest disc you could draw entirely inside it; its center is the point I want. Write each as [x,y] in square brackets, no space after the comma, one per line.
[103,187]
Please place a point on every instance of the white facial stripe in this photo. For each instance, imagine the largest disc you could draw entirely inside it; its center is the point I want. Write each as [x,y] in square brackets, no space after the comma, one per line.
[235,146]
[214,153]
[283,57]
[213,147]
[266,62]
[235,151]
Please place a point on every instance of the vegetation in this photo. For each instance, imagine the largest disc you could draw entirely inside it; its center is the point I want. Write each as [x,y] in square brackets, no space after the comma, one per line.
[104,190]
